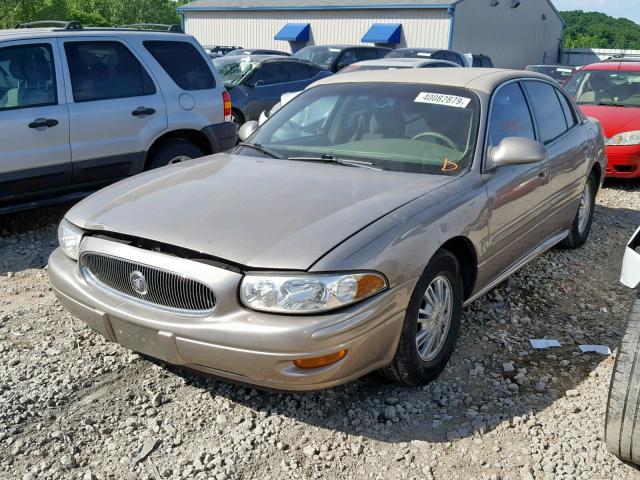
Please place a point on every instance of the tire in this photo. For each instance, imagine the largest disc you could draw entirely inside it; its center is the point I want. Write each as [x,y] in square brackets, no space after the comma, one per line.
[237,117]
[408,366]
[622,423]
[174,151]
[581,226]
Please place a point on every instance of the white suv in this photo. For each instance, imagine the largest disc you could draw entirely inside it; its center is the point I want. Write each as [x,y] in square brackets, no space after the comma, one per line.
[81,108]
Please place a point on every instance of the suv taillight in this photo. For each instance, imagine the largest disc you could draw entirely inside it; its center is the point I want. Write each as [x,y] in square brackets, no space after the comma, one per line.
[226,100]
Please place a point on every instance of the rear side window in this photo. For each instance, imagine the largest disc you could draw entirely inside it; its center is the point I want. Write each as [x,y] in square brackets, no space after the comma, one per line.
[27,77]
[569,114]
[510,116]
[183,63]
[104,71]
[547,110]
[297,72]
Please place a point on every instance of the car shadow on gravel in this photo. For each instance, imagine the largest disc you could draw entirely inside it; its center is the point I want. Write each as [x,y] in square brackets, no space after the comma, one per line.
[573,297]
[28,238]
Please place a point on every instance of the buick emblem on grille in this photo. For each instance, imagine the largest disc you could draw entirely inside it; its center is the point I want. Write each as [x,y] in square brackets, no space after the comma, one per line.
[138,282]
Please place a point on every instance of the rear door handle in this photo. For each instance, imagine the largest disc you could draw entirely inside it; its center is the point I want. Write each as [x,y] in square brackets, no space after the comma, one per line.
[143,112]
[43,123]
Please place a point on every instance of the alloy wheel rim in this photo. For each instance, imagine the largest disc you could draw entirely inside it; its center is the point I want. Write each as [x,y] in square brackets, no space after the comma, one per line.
[434,318]
[584,211]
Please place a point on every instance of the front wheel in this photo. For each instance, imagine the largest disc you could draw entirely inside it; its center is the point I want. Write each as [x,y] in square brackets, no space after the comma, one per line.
[581,226]
[431,324]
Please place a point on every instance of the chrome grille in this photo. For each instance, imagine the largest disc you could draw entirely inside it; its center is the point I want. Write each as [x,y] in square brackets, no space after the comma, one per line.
[164,289]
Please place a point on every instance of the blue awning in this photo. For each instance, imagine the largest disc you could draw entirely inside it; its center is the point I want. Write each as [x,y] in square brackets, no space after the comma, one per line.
[384,33]
[294,32]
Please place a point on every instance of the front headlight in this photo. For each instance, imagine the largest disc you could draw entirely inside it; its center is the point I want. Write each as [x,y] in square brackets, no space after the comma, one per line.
[626,138]
[283,293]
[69,237]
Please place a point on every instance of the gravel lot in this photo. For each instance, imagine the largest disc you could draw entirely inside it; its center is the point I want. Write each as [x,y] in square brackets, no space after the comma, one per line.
[74,406]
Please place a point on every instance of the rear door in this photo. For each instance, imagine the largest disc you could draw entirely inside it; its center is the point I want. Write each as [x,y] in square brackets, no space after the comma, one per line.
[568,147]
[517,193]
[34,134]
[116,108]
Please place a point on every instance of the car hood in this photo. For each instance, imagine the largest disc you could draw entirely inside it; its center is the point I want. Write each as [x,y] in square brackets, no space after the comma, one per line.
[255,212]
[614,120]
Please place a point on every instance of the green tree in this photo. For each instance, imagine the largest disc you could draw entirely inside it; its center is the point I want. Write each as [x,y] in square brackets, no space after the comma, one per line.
[90,12]
[597,30]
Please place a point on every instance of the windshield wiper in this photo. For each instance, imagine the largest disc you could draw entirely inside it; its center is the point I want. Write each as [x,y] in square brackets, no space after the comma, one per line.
[261,149]
[328,158]
[613,104]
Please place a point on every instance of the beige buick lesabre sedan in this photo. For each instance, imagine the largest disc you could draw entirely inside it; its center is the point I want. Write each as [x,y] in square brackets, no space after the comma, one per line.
[344,235]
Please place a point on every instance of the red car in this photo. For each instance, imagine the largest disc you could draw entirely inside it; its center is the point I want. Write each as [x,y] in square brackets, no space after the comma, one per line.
[610,92]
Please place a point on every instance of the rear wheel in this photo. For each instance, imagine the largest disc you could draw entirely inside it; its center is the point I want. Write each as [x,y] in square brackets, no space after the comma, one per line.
[175,150]
[622,424]
[431,324]
[581,226]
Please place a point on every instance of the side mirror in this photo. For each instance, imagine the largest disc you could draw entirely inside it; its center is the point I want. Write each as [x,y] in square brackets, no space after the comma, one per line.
[247,129]
[516,151]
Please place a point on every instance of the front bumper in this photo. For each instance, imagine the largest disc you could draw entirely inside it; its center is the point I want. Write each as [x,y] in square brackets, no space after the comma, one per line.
[623,161]
[234,342]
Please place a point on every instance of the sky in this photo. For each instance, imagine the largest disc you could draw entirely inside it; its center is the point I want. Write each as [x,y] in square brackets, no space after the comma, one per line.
[616,8]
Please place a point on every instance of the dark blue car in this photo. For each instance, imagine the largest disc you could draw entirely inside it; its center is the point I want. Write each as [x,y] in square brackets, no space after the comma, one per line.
[256,82]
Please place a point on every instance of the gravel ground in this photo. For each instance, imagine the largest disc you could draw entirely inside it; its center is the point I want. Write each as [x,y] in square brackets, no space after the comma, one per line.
[74,406]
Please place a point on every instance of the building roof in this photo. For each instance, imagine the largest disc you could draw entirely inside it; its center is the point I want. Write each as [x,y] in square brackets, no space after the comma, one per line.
[313,4]
[480,79]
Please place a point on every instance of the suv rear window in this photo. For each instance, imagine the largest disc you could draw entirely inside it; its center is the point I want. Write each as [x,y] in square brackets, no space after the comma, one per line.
[183,63]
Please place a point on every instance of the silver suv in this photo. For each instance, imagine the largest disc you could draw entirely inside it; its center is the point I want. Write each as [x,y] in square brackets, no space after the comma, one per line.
[81,108]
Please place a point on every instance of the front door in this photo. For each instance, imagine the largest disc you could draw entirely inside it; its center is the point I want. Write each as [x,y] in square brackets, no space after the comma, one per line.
[34,139]
[266,85]
[115,109]
[517,193]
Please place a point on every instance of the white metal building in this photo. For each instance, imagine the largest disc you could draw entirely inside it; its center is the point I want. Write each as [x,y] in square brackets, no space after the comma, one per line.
[514,33]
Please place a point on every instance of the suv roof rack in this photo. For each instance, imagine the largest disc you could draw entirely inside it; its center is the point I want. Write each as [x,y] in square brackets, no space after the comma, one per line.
[65,25]
[155,26]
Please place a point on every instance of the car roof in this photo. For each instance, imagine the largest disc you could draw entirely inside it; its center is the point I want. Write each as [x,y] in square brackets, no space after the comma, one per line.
[262,58]
[551,66]
[342,47]
[402,62]
[484,80]
[28,33]
[612,66]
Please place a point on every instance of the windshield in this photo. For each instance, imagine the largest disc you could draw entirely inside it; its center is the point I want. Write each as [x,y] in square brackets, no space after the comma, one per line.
[398,127]
[560,74]
[605,87]
[323,56]
[234,69]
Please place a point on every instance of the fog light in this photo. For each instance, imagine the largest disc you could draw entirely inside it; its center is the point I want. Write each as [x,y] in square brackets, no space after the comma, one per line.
[318,362]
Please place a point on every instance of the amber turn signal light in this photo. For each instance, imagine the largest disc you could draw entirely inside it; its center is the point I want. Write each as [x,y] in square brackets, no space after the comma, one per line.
[322,361]
[369,285]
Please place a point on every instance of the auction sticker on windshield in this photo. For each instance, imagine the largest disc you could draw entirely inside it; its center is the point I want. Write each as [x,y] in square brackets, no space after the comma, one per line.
[441,99]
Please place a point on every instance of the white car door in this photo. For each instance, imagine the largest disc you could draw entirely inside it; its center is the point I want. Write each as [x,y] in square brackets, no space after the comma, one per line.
[116,108]
[34,138]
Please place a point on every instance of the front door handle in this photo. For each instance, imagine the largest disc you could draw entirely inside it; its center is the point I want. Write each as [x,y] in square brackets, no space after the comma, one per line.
[143,112]
[544,174]
[43,123]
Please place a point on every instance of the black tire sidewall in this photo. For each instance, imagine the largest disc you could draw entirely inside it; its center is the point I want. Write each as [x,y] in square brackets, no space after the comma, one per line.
[172,149]
[415,370]
[581,237]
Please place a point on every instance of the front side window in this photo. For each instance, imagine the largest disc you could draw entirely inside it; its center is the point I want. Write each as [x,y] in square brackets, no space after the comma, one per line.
[346,59]
[426,129]
[368,54]
[27,77]
[105,70]
[183,63]
[547,110]
[615,88]
[270,73]
[510,116]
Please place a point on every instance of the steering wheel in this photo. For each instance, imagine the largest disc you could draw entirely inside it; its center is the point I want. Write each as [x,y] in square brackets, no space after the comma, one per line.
[450,143]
